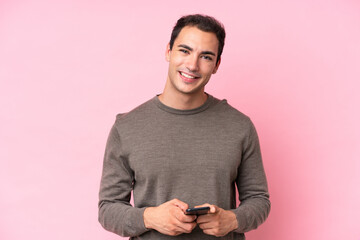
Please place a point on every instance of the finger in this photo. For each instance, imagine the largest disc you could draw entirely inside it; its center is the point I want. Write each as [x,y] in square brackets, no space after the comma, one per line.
[204,219]
[187,218]
[207,225]
[186,227]
[182,217]
[183,206]
[214,209]
[203,205]
[211,232]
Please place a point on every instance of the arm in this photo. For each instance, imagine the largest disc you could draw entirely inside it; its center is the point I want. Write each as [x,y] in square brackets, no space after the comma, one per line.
[115,211]
[254,205]
[253,194]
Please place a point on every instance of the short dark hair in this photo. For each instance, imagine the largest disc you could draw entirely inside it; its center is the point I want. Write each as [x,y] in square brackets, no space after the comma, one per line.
[204,23]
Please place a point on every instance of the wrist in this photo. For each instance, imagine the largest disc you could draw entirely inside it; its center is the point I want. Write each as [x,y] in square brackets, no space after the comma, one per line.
[147,217]
[234,221]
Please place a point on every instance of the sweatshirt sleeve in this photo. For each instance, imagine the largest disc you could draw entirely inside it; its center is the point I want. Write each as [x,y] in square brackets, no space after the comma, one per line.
[116,214]
[251,182]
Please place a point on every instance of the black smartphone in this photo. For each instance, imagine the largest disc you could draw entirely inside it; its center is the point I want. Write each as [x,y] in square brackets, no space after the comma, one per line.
[197,211]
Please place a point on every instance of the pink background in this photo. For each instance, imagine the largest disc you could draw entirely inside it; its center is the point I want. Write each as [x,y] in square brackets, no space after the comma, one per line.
[67,67]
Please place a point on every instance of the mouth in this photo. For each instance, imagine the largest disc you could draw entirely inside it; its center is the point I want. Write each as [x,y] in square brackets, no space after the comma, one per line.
[188,78]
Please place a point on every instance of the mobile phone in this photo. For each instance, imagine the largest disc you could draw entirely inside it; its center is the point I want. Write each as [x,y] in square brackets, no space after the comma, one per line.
[197,211]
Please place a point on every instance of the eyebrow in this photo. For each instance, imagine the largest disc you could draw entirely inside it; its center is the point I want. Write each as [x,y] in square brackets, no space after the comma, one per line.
[190,49]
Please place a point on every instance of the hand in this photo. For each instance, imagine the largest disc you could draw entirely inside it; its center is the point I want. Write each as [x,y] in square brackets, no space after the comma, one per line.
[169,218]
[217,222]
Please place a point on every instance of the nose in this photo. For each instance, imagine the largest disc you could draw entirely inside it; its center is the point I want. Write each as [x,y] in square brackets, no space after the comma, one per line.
[192,63]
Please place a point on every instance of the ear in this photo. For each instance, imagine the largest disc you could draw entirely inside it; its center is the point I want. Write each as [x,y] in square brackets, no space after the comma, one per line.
[167,52]
[217,66]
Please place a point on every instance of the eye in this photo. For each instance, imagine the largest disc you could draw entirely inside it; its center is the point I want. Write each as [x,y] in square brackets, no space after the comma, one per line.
[183,50]
[206,57]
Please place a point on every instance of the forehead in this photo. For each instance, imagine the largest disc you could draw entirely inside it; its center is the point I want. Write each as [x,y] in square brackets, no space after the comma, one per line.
[197,39]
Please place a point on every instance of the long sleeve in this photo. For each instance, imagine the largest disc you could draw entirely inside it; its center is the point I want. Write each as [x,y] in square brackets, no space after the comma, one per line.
[115,211]
[155,153]
[254,205]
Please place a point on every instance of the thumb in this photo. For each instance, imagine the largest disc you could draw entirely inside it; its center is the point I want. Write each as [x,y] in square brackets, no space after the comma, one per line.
[214,208]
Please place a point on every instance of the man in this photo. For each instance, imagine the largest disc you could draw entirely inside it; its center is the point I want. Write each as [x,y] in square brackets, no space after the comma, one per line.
[184,148]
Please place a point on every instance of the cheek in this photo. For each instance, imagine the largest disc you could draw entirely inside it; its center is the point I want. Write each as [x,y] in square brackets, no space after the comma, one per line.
[208,69]
[173,65]
[175,60]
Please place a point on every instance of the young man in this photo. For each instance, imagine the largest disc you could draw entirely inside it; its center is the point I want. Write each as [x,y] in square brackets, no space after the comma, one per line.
[184,148]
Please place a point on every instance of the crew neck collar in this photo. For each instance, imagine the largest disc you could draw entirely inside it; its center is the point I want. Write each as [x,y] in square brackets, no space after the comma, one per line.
[166,108]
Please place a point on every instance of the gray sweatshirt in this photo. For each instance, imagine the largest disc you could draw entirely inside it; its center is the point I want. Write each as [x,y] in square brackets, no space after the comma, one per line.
[198,156]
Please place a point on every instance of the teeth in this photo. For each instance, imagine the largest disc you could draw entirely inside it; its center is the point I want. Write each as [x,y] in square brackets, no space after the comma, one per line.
[185,75]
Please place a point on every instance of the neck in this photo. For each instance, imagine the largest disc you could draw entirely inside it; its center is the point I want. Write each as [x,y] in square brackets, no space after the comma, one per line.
[183,101]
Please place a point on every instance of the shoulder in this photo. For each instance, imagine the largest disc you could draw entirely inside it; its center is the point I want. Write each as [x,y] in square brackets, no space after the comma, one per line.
[226,111]
[135,121]
[232,122]
[140,112]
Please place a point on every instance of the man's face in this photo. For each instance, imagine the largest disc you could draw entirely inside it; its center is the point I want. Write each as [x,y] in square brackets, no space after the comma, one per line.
[192,60]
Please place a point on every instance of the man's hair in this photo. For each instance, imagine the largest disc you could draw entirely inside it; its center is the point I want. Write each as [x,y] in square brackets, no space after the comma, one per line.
[204,23]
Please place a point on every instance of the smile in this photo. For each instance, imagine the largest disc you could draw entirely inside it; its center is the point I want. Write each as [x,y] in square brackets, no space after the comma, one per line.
[188,77]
